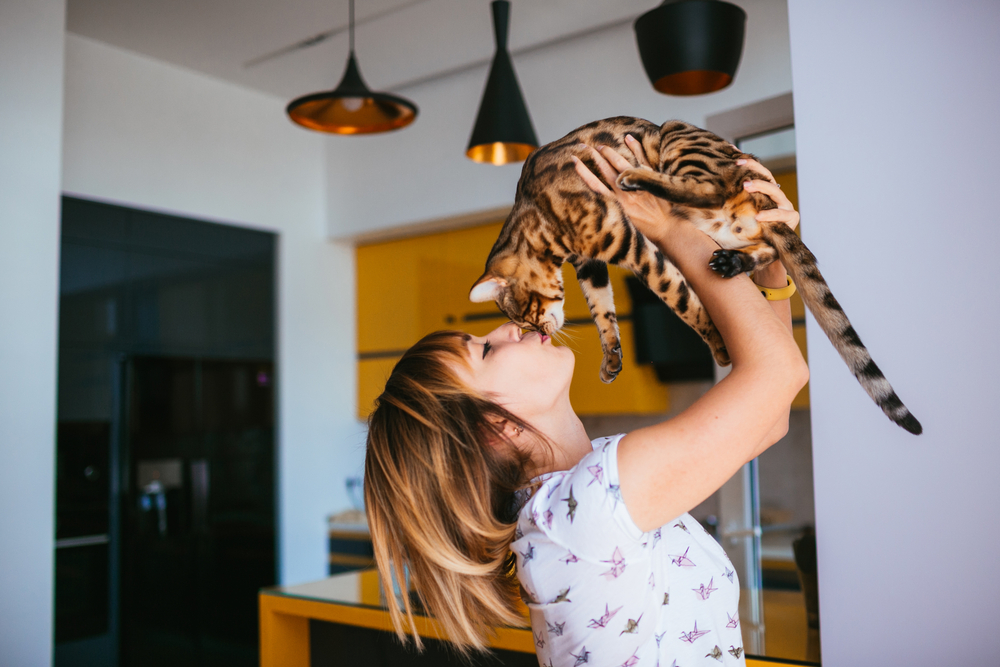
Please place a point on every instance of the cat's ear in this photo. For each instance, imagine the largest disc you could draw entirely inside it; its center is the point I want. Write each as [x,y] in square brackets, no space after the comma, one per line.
[487,288]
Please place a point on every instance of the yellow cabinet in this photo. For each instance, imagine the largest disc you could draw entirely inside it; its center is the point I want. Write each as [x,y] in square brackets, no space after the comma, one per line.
[789,183]
[411,287]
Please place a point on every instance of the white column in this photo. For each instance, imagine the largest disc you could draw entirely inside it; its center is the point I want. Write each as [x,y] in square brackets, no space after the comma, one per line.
[896,108]
[32,35]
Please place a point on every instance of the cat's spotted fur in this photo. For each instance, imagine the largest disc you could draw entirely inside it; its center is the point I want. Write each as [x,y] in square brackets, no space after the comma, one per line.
[556,218]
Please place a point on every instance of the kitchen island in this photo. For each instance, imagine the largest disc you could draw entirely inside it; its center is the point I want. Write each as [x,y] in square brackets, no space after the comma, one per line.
[343,620]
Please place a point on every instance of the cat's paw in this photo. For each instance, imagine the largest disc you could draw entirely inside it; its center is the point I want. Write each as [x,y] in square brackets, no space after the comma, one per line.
[631,180]
[721,355]
[728,263]
[715,343]
[612,365]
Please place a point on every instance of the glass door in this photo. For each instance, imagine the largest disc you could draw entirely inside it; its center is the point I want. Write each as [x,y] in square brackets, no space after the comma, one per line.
[766,520]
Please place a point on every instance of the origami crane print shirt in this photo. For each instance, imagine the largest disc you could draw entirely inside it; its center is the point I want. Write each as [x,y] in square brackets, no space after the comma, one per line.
[603,593]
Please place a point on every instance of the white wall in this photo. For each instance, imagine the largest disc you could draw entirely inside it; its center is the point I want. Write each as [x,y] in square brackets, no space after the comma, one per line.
[896,109]
[421,172]
[31,75]
[146,134]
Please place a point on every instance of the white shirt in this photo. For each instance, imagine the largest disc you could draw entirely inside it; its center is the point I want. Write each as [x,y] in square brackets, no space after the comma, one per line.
[603,593]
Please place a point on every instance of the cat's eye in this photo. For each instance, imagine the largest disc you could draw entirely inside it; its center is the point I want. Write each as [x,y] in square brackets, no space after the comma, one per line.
[486,348]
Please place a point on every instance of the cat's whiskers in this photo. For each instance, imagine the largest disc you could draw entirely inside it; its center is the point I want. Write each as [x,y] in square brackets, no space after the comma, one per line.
[568,334]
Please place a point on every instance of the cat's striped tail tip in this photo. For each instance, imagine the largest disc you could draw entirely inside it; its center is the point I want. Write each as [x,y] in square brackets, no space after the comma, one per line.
[910,423]
[885,397]
[894,408]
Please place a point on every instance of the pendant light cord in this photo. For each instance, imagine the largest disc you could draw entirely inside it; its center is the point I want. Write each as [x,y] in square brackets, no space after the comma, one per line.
[335,111]
[350,21]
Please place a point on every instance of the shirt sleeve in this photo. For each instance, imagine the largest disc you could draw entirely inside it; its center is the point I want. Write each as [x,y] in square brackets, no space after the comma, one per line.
[582,509]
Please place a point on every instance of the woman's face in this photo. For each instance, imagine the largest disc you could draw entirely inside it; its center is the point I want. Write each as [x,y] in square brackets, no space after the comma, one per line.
[525,373]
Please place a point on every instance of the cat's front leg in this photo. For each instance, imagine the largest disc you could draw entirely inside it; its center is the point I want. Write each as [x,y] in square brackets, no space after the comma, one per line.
[666,281]
[596,286]
[729,262]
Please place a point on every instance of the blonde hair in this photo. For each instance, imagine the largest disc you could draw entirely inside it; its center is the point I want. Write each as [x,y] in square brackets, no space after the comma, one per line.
[440,478]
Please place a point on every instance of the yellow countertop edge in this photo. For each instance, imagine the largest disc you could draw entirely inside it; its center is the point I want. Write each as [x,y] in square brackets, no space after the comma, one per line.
[510,639]
[274,602]
[764,662]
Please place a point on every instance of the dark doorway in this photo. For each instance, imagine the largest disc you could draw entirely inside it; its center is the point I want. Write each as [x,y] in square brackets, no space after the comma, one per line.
[165,447]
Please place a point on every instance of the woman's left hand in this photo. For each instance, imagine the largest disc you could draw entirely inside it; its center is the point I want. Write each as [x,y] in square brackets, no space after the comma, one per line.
[772,275]
[785,212]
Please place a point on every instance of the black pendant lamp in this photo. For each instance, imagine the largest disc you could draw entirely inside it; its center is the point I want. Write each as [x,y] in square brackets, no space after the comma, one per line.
[352,108]
[691,47]
[503,132]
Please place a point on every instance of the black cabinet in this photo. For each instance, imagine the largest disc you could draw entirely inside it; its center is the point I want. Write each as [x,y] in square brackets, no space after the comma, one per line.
[337,645]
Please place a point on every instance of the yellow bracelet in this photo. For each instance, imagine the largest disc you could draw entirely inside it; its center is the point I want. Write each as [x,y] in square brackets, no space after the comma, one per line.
[777,294]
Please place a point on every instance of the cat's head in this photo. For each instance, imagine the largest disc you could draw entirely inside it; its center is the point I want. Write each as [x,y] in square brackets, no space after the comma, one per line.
[529,293]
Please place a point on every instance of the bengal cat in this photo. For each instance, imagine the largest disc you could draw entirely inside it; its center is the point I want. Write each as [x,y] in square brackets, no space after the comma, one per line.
[556,218]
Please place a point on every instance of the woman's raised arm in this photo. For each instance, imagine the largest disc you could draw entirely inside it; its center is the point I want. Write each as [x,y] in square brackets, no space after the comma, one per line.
[668,469]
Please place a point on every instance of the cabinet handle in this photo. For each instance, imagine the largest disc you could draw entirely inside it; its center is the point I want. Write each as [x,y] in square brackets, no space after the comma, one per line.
[68,542]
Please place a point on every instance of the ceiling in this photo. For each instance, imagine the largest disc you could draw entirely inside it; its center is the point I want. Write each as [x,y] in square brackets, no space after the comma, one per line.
[398,42]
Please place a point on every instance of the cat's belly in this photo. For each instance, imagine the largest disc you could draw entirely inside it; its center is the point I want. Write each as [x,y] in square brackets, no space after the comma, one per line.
[729,233]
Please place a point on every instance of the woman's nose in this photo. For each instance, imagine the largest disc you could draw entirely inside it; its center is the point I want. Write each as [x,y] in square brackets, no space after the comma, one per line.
[511,331]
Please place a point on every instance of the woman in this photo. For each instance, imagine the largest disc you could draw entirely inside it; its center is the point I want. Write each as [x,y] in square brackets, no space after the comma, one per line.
[482,486]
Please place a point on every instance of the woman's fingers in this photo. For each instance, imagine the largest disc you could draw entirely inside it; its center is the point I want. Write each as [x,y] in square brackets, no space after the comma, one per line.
[771,190]
[636,147]
[609,163]
[788,216]
[592,181]
[785,212]
[614,160]
[608,169]
[758,167]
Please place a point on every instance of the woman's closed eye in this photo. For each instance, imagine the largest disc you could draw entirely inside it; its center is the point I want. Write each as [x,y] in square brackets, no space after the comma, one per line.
[486,348]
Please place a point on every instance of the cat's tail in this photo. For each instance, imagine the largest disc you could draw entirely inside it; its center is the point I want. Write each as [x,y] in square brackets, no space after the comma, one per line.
[802,266]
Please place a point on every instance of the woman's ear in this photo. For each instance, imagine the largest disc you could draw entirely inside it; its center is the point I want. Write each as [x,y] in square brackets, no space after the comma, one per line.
[487,288]
[509,429]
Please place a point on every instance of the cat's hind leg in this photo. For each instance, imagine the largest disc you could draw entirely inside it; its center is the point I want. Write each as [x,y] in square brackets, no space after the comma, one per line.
[688,191]
[596,285]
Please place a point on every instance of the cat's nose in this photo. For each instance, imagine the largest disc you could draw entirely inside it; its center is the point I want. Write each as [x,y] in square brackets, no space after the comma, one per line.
[557,315]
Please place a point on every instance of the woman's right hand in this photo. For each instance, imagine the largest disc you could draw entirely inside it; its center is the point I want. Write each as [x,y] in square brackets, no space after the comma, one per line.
[651,215]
